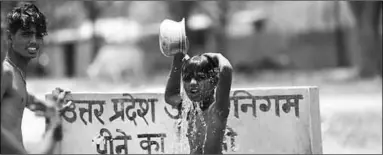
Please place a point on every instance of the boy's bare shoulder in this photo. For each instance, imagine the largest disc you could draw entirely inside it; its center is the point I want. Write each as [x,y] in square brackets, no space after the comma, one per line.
[6,78]
[7,75]
[8,70]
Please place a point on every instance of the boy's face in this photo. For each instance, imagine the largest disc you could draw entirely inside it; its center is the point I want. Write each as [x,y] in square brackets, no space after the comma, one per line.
[197,85]
[27,42]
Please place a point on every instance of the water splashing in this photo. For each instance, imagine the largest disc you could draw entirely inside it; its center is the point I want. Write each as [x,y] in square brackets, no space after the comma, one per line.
[191,124]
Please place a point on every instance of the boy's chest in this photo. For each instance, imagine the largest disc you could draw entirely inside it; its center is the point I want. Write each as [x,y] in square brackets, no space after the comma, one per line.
[18,92]
[212,115]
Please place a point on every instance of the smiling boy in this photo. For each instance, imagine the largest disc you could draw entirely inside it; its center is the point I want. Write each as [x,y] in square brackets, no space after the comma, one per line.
[26,27]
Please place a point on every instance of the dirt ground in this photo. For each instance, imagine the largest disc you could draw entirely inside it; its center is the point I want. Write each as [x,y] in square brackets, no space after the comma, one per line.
[351,109]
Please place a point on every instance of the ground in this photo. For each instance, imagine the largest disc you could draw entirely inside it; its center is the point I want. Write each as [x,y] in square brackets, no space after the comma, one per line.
[351,110]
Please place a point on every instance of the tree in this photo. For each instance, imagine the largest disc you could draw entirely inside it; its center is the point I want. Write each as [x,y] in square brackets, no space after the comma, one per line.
[342,56]
[367,18]
[220,35]
[93,13]
[6,6]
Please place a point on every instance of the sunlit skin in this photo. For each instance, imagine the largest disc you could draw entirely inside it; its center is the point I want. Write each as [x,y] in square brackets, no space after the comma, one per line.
[212,92]
[23,45]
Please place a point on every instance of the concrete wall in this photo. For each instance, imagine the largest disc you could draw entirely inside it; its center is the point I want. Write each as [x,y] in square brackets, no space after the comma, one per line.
[257,123]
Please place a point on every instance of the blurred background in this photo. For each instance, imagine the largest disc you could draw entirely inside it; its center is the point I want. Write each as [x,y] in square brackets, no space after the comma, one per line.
[112,46]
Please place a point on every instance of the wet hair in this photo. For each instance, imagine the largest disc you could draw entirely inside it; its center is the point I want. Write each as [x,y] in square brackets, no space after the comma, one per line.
[24,16]
[200,63]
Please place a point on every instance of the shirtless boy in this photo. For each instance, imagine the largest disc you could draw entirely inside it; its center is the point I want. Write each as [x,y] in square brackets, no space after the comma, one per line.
[26,27]
[206,79]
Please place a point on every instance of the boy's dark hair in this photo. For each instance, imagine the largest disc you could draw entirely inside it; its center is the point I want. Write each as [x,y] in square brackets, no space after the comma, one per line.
[200,63]
[25,15]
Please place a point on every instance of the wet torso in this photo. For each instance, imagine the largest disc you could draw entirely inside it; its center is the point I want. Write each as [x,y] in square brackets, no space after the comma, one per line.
[206,135]
[13,102]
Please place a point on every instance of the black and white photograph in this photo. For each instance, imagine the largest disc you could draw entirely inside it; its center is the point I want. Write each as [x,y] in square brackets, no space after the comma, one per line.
[191,77]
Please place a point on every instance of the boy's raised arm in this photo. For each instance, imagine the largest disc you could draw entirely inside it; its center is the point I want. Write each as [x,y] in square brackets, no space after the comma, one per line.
[224,82]
[173,85]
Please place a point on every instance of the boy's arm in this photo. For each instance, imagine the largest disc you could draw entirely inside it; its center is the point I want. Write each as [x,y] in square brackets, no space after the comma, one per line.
[216,131]
[53,133]
[48,143]
[224,82]
[35,104]
[172,90]
[9,144]
[58,96]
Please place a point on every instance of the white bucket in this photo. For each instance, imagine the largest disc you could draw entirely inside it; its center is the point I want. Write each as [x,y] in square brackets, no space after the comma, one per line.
[172,37]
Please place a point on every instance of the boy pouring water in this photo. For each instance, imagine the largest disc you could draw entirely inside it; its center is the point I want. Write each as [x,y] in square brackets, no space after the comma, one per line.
[206,81]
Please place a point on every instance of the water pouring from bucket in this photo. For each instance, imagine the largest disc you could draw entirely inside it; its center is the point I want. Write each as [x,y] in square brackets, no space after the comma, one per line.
[172,37]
